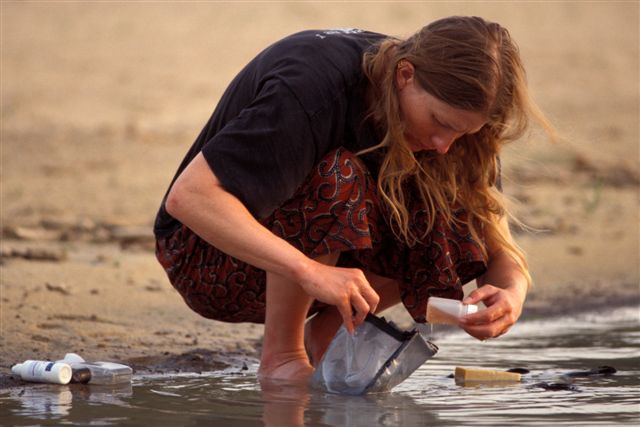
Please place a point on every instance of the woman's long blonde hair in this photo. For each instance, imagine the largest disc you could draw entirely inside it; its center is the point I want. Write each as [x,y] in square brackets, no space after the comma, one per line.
[470,64]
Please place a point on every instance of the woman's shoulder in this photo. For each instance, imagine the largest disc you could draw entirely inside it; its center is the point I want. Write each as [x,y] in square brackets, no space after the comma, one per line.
[325,43]
[318,52]
[315,65]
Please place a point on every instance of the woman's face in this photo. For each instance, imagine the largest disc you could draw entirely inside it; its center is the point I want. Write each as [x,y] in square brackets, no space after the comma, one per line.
[431,124]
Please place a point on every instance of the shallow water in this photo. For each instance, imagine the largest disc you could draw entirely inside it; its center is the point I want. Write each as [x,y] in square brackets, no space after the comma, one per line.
[549,349]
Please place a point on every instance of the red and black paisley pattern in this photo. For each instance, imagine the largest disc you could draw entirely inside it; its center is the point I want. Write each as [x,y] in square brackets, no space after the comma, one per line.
[335,210]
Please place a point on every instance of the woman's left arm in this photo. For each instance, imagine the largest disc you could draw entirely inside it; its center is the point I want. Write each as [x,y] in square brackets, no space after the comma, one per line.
[502,289]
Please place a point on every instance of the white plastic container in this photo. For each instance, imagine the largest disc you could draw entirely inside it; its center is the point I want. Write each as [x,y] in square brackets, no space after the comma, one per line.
[101,372]
[43,371]
[447,311]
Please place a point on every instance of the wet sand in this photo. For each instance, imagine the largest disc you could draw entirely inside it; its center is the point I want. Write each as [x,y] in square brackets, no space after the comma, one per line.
[101,101]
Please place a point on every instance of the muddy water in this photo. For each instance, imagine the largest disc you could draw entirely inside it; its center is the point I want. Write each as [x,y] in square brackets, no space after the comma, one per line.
[548,395]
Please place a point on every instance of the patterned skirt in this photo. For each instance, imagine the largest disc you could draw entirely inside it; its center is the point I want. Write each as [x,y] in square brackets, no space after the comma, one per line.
[337,209]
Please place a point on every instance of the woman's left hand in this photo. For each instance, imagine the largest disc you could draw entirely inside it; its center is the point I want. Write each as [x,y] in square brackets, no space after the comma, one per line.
[504,306]
[503,289]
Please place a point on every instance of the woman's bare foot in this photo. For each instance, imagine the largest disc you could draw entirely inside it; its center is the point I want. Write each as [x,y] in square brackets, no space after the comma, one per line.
[293,368]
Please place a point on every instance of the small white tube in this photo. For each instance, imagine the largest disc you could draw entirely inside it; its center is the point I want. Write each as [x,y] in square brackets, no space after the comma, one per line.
[43,371]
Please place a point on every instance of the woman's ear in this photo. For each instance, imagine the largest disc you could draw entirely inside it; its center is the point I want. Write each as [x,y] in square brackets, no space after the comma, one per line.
[404,73]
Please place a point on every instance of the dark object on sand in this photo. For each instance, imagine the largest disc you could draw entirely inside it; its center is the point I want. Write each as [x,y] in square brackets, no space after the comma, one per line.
[600,370]
[557,386]
[520,371]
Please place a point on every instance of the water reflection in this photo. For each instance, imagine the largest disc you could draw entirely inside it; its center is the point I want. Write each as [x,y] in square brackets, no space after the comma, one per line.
[550,349]
[286,405]
[43,404]
[56,402]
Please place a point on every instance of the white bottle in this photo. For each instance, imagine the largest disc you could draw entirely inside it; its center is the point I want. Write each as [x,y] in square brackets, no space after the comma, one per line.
[447,311]
[43,371]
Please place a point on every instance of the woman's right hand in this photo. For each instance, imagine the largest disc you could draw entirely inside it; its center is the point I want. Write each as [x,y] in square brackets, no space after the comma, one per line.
[345,288]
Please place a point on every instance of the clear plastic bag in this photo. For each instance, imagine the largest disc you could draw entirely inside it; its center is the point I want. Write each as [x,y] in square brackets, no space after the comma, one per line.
[376,358]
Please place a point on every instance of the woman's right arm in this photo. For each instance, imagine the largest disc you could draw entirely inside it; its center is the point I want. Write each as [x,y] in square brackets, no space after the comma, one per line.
[198,200]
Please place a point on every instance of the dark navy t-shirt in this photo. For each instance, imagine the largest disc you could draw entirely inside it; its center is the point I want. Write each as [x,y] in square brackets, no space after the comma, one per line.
[297,100]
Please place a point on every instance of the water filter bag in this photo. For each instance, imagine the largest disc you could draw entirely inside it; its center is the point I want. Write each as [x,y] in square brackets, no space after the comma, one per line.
[376,358]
